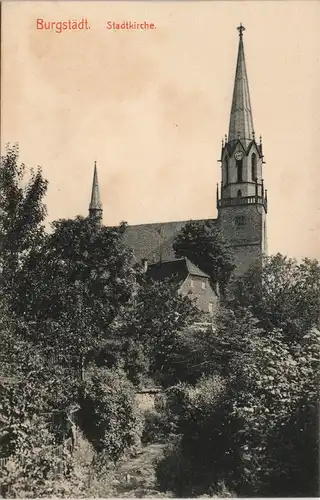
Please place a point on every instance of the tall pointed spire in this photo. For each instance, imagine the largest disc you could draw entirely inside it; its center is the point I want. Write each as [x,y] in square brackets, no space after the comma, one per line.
[95,207]
[241,123]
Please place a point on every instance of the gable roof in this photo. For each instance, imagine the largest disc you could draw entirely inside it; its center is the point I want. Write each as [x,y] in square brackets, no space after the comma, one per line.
[179,268]
[154,241]
[195,270]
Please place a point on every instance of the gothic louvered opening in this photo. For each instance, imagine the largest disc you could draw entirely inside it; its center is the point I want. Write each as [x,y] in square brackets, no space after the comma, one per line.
[239,170]
[253,167]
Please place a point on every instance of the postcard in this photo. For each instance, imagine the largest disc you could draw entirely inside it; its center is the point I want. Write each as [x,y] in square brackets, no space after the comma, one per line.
[159,254]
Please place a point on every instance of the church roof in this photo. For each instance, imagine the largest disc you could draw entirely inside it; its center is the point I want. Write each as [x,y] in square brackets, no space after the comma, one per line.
[95,203]
[154,241]
[241,122]
[181,268]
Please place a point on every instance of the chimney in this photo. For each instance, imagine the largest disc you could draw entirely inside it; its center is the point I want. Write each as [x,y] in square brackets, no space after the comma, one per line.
[144,265]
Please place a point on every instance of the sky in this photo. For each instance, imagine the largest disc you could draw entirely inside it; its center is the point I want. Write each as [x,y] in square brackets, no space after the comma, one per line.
[152,107]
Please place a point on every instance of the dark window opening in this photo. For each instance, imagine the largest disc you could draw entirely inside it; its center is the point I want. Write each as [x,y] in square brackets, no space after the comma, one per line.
[239,194]
[227,169]
[239,170]
[240,220]
[253,167]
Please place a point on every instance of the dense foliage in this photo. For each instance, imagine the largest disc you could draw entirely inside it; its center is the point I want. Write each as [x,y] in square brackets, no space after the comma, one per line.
[281,293]
[82,329]
[203,244]
[152,326]
[72,306]
[22,213]
[75,285]
[257,445]
[33,392]
[110,417]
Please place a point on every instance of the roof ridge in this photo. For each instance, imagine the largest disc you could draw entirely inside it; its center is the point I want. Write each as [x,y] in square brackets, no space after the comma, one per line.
[191,266]
[166,261]
[171,222]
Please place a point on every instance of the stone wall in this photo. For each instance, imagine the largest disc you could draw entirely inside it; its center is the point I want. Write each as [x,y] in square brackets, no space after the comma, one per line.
[243,227]
[146,398]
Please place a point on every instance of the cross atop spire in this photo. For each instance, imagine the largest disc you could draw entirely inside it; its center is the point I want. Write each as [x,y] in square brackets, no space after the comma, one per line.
[241,29]
[241,122]
[95,207]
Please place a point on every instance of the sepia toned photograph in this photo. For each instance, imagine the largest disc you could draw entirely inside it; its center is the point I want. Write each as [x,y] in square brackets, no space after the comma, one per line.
[159,249]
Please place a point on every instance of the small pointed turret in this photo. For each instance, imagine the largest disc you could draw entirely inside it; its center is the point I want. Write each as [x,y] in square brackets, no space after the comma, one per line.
[241,122]
[95,207]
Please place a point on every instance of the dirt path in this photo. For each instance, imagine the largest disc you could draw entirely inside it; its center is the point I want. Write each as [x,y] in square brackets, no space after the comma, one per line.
[136,477]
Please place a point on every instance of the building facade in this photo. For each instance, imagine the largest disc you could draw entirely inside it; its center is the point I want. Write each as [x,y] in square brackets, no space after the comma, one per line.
[241,196]
[191,282]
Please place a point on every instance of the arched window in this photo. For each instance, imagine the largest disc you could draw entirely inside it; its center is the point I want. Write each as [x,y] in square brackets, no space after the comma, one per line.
[239,194]
[239,170]
[227,169]
[253,167]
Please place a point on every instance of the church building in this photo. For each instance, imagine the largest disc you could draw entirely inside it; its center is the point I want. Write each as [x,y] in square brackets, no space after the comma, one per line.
[241,198]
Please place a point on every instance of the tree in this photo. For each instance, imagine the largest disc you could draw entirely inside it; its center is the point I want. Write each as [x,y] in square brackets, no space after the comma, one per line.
[281,293]
[295,445]
[251,434]
[270,384]
[153,321]
[79,255]
[76,286]
[210,349]
[22,213]
[203,244]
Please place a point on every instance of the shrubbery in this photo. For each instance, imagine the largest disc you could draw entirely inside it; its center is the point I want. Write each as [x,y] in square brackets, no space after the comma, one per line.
[245,430]
[110,417]
[34,467]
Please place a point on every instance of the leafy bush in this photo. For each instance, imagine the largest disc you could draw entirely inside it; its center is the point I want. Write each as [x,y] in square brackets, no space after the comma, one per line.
[157,428]
[110,417]
[189,463]
[269,384]
[244,430]
[32,470]
[173,472]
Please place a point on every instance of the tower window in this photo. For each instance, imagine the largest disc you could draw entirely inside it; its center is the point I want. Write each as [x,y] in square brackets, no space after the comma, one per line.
[240,220]
[227,169]
[239,193]
[253,167]
[239,170]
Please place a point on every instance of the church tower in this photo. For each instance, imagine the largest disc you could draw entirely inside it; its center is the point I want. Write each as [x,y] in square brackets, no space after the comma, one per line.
[95,207]
[242,200]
